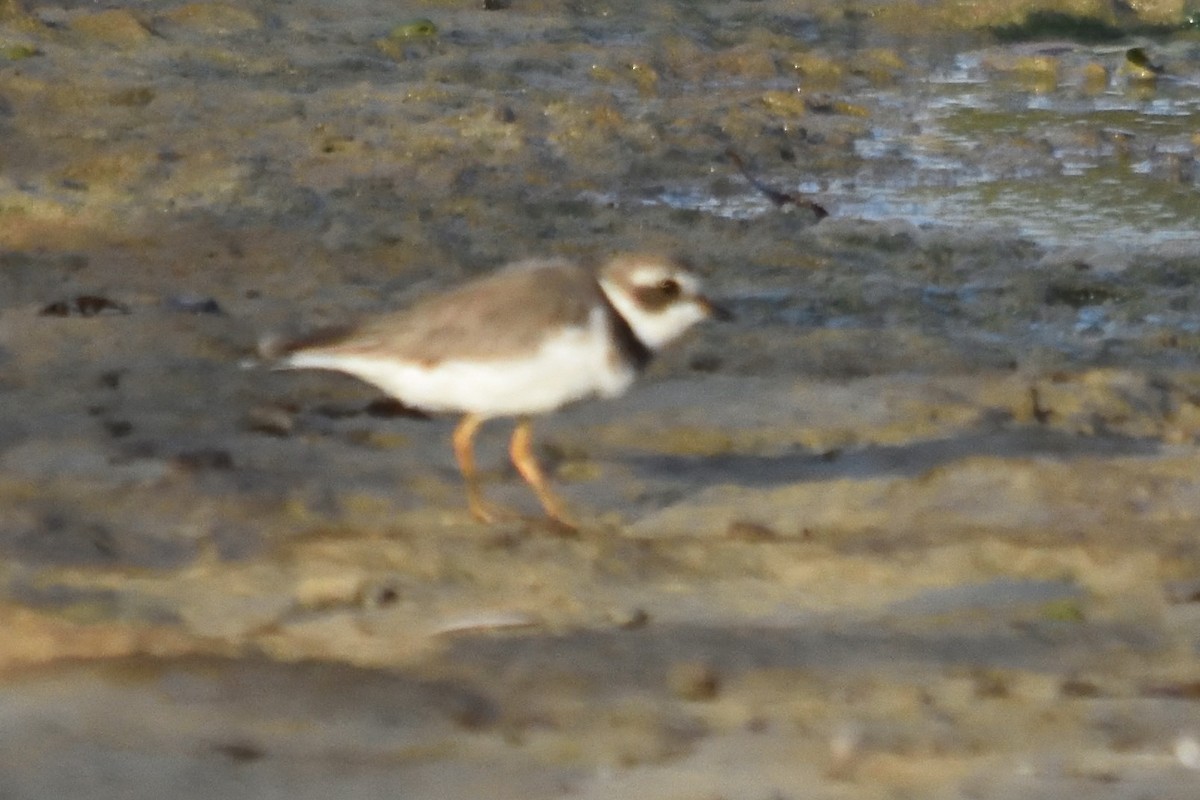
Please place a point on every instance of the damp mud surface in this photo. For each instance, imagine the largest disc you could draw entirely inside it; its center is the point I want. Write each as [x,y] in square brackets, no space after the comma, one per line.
[921,522]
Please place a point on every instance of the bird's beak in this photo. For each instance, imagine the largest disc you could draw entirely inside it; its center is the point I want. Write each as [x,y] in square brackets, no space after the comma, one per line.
[715,310]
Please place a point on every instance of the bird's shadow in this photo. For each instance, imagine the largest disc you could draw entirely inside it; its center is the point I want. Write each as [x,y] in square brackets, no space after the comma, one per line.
[910,459]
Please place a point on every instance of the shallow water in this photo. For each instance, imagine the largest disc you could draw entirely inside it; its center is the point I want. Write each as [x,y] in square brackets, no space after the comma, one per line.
[1048,156]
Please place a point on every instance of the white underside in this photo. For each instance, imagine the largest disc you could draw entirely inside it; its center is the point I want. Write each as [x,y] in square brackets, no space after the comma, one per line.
[569,366]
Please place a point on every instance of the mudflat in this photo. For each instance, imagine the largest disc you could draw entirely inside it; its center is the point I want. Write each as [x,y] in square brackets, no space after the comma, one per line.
[921,522]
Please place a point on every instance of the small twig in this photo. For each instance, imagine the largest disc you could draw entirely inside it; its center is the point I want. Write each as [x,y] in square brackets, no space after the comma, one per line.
[777,197]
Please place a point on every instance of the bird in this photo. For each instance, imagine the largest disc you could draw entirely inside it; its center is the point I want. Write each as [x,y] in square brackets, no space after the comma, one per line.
[525,340]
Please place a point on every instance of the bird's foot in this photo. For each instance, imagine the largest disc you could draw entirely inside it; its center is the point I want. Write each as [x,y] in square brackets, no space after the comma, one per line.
[559,524]
[487,512]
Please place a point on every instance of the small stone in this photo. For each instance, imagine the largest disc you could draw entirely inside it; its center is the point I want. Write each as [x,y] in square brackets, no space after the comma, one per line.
[693,681]
[379,596]
[630,619]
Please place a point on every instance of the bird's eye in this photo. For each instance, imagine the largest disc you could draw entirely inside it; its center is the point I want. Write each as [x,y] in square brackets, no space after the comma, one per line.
[669,287]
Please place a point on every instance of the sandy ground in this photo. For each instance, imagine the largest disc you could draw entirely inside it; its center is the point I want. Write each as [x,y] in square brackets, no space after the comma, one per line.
[920,523]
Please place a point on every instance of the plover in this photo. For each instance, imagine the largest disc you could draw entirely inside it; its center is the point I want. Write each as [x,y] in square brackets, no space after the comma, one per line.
[525,340]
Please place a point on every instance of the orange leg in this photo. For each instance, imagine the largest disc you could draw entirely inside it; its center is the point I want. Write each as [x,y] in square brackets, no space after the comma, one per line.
[464,451]
[523,459]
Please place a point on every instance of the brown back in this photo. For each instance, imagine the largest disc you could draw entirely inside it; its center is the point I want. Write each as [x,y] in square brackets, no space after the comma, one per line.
[509,311]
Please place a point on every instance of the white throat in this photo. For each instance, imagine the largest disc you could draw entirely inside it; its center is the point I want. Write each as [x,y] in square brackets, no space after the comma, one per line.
[654,328]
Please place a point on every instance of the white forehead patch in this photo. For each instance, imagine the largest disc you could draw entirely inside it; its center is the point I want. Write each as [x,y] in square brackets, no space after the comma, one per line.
[649,274]
[658,327]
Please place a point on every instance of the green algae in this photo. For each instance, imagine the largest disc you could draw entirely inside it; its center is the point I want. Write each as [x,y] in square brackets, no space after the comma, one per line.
[414,29]
[1062,611]
[1047,24]
[18,52]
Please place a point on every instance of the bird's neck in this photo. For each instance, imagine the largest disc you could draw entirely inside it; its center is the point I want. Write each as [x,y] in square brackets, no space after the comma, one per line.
[632,349]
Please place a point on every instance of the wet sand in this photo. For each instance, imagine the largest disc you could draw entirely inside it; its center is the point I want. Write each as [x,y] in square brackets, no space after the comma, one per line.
[920,522]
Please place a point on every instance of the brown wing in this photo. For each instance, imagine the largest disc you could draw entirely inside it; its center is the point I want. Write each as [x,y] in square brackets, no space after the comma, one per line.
[510,310]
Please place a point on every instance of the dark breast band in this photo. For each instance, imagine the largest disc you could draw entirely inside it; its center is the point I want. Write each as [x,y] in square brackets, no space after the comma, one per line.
[631,348]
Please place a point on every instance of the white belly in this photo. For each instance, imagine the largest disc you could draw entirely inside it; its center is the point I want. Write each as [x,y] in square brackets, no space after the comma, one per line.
[577,363]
